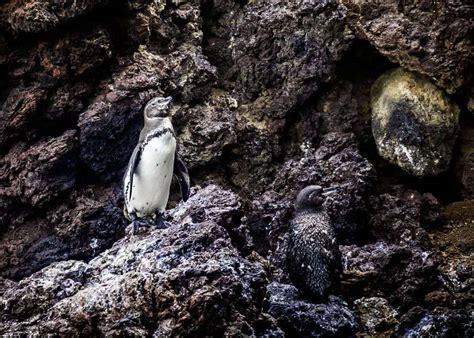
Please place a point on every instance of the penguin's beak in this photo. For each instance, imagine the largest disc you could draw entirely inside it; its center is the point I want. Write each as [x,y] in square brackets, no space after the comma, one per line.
[328,191]
[159,109]
[168,99]
[164,104]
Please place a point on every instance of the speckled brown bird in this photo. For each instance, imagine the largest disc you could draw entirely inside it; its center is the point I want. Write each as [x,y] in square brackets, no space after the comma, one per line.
[313,259]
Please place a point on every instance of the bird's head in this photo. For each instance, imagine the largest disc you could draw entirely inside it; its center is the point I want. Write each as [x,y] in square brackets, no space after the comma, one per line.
[157,107]
[312,197]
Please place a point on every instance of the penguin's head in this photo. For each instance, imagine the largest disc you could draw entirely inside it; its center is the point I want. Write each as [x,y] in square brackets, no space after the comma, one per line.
[310,197]
[313,196]
[157,107]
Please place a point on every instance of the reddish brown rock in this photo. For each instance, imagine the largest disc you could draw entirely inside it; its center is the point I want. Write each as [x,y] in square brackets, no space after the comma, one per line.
[41,172]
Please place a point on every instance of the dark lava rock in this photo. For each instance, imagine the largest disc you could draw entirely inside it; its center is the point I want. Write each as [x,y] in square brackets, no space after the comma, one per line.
[32,16]
[298,317]
[185,280]
[345,108]
[465,163]
[285,50]
[19,108]
[414,123]
[37,174]
[225,208]
[269,97]
[353,176]
[86,223]
[282,53]
[429,37]
[454,244]
[440,322]
[205,129]
[376,315]
[401,274]
[401,216]
[35,107]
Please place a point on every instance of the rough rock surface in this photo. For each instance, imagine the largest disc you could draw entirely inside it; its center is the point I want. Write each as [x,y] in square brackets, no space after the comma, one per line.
[401,274]
[465,163]
[36,185]
[32,16]
[377,316]
[88,221]
[299,317]
[184,280]
[414,123]
[432,38]
[455,243]
[269,96]
[282,53]
[440,322]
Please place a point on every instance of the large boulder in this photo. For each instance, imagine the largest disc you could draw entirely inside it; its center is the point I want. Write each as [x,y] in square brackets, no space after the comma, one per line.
[414,123]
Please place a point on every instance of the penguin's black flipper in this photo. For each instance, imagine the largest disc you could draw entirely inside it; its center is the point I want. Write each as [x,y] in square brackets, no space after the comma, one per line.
[182,175]
[132,165]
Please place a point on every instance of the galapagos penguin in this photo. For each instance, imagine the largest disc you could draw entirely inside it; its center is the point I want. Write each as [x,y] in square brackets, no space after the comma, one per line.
[147,179]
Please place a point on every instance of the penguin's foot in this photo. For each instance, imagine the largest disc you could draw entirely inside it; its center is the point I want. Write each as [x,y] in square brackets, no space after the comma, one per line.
[138,223]
[160,223]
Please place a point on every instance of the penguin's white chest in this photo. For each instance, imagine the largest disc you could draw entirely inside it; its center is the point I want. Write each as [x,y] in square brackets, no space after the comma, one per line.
[152,178]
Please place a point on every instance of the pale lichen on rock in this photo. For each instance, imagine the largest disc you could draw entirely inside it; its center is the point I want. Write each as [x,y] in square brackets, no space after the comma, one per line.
[414,123]
[377,316]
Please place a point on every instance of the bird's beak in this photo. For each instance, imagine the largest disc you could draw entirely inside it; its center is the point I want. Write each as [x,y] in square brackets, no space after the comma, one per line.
[328,191]
[163,105]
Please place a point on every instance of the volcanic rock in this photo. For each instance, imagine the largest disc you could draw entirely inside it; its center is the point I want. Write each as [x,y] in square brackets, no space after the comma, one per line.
[414,123]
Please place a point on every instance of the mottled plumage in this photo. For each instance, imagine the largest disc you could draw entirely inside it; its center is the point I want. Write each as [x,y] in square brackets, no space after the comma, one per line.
[313,259]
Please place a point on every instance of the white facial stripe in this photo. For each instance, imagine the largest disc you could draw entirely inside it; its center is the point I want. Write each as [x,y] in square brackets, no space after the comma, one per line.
[156,105]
